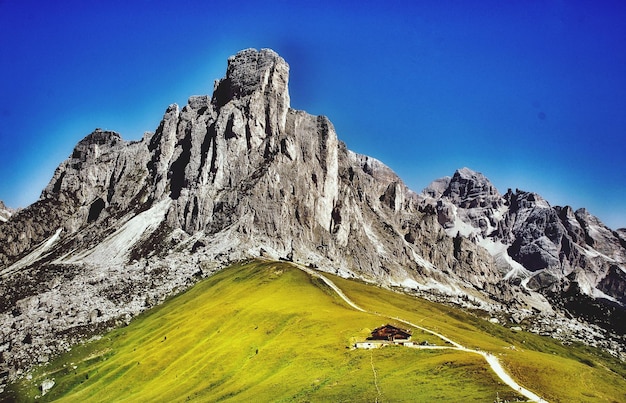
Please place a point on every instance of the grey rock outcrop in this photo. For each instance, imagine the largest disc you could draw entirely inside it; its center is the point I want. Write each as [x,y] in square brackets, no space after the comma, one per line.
[555,251]
[240,174]
[5,212]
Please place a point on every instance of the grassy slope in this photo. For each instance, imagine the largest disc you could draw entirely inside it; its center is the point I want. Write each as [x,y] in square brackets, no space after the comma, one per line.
[262,332]
[556,372]
[268,332]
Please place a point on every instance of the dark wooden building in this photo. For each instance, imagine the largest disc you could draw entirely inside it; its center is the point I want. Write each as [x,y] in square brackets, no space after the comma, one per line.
[390,333]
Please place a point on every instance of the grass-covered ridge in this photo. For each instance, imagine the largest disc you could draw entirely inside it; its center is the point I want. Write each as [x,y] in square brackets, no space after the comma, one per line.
[266,331]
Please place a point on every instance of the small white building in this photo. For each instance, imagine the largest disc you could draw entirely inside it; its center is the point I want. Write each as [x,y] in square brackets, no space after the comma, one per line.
[367,345]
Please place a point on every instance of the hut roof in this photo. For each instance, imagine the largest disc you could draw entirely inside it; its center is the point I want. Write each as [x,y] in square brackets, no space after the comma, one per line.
[390,332]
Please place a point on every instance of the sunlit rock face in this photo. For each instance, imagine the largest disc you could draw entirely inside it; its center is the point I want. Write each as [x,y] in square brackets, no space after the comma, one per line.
[244,167]
[239,175]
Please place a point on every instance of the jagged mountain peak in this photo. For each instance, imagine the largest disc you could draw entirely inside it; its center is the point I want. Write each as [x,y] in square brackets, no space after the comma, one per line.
[468,188]
[464,183]
[96,141]
[521,199]
[468,173]
[465,175]
[551,249]
[436,188]
[100,137]
[251,71]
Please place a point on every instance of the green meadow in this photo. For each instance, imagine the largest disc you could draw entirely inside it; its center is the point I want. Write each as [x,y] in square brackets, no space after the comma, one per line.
[267,331]
[556,372]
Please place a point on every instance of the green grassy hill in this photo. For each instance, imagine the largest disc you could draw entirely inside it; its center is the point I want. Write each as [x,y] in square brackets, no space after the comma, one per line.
[266,331]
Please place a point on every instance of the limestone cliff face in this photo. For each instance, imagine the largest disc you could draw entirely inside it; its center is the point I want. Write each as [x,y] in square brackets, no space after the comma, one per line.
[239,175]
[245,167]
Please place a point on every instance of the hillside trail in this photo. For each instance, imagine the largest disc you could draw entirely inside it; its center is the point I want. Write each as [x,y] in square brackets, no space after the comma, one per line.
[491,359]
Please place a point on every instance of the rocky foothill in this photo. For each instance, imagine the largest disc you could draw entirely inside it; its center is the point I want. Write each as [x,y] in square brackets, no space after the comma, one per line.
[241,174]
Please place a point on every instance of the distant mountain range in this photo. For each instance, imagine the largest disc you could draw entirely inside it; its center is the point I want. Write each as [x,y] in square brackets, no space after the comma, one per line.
[239,175]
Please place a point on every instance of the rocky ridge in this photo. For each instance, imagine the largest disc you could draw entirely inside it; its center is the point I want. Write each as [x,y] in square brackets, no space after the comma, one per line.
[240,174]
[568,256]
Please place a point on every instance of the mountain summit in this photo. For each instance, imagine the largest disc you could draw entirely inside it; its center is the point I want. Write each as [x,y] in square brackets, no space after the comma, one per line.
[239,175]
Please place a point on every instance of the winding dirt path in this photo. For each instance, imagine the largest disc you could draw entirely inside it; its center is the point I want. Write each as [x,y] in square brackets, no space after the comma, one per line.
[491,359]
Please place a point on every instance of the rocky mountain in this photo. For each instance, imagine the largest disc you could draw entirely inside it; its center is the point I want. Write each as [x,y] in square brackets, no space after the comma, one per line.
[239,175]
[5,212]
[568,256]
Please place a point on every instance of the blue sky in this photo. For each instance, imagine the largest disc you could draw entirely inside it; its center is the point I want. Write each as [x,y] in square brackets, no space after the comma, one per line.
[530,93]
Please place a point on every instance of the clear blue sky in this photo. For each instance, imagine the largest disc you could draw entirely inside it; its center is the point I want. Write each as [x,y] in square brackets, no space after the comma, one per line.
[530,93]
